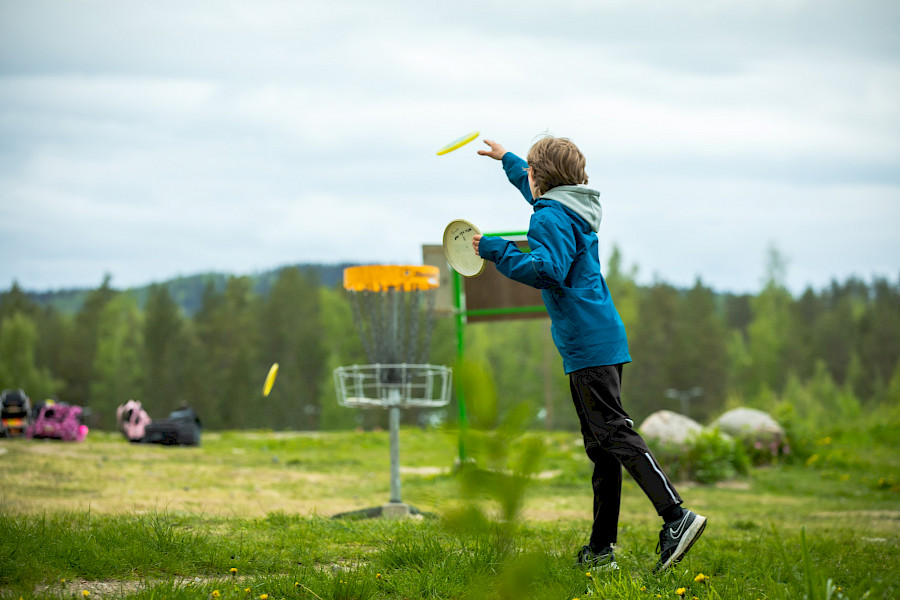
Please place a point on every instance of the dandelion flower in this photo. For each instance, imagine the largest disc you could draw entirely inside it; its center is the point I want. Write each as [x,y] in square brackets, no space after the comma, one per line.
[247,590]
[588,574]
[263,597]
[63,580]
[643,588]
[296,584]
[216,594]
[701,578]
[85,593]
[377,575]
[233,570]
[680,592]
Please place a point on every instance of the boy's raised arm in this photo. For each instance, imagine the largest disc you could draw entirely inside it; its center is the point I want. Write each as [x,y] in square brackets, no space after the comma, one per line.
[514,167]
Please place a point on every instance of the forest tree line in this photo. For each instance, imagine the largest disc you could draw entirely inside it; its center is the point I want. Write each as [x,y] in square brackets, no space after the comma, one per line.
[694,350]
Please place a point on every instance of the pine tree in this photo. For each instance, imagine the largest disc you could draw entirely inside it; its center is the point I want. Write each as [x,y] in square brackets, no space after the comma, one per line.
[293,336]
[699,355]
[18,370]
[769,333]
[118,368]
[77,369]
[166,351]
[228,336]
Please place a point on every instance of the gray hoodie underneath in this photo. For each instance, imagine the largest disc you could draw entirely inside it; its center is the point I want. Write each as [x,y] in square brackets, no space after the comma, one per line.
[583,200]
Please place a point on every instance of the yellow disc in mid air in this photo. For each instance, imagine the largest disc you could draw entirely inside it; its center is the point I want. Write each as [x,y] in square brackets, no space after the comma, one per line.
[458,143]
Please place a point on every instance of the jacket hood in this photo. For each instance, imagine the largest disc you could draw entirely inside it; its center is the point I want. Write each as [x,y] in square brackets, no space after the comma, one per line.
[584,201]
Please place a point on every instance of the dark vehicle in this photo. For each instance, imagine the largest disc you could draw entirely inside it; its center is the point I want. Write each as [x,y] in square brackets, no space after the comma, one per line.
[15,413]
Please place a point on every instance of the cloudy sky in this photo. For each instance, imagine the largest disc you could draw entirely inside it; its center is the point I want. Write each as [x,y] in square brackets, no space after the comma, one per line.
[154,139]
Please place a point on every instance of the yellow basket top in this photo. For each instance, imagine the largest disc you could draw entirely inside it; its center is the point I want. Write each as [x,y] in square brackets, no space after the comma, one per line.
[377,278]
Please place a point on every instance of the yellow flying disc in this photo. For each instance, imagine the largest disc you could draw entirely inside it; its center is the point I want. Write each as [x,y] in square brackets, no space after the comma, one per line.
[458,143]
[270,379]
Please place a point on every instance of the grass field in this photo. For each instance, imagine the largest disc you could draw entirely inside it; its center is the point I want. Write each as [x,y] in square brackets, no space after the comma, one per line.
[248,515]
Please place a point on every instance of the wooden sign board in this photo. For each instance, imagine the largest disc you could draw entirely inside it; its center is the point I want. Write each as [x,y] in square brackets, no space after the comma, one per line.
[492,291]
[433,254]
[501,297]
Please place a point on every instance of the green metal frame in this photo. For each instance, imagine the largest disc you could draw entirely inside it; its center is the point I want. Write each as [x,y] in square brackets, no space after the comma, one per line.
[460,315]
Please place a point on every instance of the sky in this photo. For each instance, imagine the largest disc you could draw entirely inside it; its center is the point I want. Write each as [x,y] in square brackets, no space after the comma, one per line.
[151,140]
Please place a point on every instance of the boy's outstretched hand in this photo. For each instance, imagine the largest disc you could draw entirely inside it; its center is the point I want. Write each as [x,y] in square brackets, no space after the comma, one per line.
[476,240]
[496,152]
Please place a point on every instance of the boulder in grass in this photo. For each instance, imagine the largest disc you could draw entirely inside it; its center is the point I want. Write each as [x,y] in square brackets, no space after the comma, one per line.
[750,423]
[669,427]
[763,438]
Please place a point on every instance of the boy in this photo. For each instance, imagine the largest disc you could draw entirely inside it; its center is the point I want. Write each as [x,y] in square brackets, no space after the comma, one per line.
[588,332]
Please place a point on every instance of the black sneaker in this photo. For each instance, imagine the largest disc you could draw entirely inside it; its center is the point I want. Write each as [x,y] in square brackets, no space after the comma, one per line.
[600,560]
[677,537]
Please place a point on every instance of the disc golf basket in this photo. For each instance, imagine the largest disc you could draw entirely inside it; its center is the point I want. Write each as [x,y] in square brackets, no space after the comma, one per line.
[393,309]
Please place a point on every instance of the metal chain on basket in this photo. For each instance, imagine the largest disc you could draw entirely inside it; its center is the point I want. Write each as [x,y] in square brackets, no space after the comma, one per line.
[430,295]
[421,326]
[412,317]
[357,299]
[393,325]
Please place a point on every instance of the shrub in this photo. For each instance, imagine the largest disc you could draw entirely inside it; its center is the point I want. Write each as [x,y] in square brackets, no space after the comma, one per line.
[765,449]
[708,457]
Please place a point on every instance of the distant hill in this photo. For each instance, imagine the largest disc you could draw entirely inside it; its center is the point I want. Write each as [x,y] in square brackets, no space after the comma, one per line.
[187,291]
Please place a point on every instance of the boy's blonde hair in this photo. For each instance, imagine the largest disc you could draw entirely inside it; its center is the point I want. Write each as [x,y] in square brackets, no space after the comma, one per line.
[556,161]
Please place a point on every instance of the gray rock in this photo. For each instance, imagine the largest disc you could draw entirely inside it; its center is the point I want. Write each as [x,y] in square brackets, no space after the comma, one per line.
[669,427]
[749,423]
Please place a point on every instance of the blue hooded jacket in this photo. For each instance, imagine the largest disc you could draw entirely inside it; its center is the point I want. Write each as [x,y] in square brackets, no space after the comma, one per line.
[564,263]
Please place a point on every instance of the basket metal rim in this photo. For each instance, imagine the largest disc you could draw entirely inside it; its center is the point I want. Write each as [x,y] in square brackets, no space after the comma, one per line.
[360,386]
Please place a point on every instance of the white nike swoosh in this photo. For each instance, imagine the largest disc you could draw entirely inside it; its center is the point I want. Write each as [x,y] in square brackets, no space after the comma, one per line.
[677,532]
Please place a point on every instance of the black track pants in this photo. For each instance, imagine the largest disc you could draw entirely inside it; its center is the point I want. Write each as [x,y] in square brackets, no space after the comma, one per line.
[611,443]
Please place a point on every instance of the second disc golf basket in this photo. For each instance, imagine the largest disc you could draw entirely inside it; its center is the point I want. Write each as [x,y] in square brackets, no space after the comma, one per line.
[393,308]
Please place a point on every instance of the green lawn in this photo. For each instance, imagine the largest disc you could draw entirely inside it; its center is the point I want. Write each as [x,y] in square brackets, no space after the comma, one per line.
[118,520]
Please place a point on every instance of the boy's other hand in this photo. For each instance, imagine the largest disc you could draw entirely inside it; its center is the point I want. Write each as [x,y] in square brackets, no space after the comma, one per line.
[496,152]
[476,239]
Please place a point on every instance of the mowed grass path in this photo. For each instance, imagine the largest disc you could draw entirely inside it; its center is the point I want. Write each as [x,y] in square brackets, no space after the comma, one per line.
[247,515]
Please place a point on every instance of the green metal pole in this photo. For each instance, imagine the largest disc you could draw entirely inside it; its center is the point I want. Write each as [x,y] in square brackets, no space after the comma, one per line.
[460,351]
[512,310]
[461,339]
